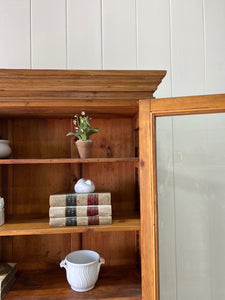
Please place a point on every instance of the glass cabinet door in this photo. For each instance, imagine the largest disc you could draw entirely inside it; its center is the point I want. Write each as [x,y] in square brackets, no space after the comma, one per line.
[182,195]
[190,159]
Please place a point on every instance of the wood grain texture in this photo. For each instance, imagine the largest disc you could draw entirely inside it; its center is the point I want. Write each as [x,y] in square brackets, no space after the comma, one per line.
[148,111]
[114,283]
[188,105]
[39,252]
[117,248]
[148,197]
[25,161]
[35,92]
[36,110]
[41,226]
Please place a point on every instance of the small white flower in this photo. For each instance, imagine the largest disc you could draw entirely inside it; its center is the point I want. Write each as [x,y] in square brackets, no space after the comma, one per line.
[75,122]
[82,121]
[82,130]
[83,113]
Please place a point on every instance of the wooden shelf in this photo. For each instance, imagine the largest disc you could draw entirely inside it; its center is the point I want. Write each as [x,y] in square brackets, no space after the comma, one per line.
[14,161]
[41,226]
[114,282]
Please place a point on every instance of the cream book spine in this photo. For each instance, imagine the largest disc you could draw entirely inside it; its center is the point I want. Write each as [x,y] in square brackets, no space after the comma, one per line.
[80,199]
[80,221]
[80,211]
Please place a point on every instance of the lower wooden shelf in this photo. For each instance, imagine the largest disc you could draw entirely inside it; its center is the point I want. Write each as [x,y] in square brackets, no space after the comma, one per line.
[114,283]
[41,226]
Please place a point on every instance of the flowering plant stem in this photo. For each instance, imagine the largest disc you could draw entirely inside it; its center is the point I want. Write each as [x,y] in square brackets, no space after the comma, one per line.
[82,127]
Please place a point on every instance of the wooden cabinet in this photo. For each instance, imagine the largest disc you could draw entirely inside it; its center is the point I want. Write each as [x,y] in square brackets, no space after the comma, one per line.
[36,110]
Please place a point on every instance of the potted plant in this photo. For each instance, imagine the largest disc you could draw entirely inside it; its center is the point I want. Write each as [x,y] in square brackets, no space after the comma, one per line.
[82,133]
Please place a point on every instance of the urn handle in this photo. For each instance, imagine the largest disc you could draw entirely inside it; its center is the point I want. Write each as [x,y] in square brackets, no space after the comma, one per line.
[63,264]
[101,261]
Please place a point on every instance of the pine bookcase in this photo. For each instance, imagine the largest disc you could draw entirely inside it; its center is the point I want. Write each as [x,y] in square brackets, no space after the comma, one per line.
[36,112]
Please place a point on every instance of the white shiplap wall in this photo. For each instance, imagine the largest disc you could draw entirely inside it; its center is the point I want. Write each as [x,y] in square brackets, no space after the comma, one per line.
[15,28]
[184,37]
[48,34]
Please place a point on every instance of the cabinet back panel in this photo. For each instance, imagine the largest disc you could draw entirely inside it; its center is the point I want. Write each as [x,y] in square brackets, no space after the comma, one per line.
[115,139]
[46,251]
[117,248]
[27,188]
[46,138]
[38,252]
[31,185]
[41,138]
[117,178]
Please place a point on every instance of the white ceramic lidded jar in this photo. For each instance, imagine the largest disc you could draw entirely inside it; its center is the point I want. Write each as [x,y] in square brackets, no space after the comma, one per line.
[5,149]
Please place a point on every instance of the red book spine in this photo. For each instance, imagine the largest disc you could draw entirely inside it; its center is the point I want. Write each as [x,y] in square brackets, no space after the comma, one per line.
[92,210]
[92,199]
[94,220]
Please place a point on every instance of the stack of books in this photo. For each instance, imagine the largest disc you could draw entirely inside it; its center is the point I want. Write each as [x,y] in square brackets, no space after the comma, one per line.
[80,209]
[7,277]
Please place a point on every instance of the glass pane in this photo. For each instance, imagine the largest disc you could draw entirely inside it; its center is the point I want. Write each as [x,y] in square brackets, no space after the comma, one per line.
[191,206]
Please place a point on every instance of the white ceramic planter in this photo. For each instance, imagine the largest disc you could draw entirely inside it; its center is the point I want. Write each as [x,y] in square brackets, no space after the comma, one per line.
[82,269]
[5,149]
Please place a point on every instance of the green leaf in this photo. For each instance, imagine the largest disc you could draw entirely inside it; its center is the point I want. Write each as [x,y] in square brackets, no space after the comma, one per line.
[93,130]
[70,133]
[84,137]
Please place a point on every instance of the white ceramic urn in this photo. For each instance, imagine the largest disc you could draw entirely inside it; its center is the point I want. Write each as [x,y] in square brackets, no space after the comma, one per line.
[82,269]
[5,149]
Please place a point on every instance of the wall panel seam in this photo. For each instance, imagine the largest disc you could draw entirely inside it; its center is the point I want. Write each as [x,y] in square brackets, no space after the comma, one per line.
[101,32]
[66,33]
[204,44]
[136,33]
[171,47]
[31,54]
[174,206]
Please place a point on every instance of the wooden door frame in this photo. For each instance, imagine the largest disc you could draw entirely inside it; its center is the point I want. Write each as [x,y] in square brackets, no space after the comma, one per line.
[148,111]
